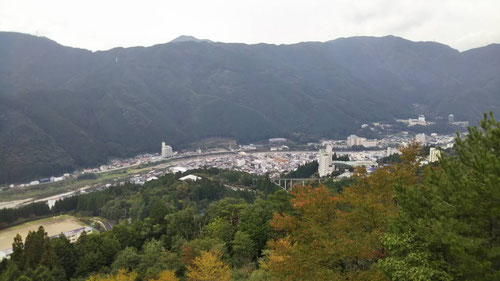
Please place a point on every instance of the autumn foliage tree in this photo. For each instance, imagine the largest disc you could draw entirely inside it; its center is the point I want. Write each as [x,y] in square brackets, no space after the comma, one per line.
[337,236]
[209,267]
[166,275]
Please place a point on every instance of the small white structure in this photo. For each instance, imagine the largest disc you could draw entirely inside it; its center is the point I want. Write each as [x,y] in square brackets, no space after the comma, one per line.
[345,175]
[166,150]
[190,177]
[151,178]
[277,140]
[177,169]
[326,166]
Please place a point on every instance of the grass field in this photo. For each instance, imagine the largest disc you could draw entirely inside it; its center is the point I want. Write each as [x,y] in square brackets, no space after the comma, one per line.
[53,226]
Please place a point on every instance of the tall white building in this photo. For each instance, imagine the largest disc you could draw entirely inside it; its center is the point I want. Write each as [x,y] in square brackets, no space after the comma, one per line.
[434,154]
[326,166]
[166,150]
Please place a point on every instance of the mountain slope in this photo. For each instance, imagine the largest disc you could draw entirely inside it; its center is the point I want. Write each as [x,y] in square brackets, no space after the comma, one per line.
[64,107]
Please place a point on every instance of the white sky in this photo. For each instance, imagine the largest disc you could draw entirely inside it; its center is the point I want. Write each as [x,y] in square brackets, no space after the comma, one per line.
[104,24]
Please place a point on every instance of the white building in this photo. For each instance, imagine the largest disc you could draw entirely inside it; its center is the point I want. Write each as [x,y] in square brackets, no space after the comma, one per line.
[370,143]
[391,150]
[277,140]
[421,138]
[190,177]
[420,121]
[434,154]
[326,166]
[354,140]
[451,118]
[166,150]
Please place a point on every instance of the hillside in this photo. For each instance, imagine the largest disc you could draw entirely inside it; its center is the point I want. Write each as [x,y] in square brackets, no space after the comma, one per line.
[63,107]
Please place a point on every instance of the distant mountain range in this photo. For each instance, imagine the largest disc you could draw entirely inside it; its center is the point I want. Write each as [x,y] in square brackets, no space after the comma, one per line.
[64,107]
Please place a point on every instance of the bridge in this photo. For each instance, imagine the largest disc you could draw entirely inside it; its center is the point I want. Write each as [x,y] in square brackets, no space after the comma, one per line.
[288,183]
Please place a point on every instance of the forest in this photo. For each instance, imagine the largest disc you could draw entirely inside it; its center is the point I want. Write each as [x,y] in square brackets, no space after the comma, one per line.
[404,221]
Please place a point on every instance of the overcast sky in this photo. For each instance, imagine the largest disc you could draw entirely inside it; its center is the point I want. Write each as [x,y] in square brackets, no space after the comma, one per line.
[104,24]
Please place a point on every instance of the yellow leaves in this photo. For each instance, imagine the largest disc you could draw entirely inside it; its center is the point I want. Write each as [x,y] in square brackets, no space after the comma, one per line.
[122,275]
[166,275]
[209,267]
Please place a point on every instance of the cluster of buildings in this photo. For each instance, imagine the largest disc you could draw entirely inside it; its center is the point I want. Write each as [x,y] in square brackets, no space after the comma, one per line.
[255,159]
[272,162]
[413,122]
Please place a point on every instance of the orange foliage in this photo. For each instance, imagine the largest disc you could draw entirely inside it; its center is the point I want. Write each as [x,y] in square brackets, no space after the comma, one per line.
[337,236]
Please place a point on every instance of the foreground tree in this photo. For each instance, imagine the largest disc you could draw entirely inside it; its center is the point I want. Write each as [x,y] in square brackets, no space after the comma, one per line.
[449,225]
[209,267]
[337,236]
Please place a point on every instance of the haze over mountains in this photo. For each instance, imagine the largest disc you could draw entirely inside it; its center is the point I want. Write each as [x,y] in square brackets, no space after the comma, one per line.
[64,107]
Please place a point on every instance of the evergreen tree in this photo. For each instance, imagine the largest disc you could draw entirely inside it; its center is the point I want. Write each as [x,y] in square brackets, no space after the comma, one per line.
[449,224]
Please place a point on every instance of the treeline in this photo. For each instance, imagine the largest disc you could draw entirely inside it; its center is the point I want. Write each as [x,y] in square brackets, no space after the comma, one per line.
[33,210]
[177,228]
[114,203]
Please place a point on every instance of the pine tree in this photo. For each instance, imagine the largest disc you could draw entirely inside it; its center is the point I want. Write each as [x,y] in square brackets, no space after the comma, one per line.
[449,224]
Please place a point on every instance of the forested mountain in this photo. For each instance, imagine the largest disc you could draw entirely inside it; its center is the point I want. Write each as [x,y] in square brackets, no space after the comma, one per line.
[63,107]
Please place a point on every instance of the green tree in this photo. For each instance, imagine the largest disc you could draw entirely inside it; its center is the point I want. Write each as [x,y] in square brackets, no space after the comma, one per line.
[220,229]
[449,224]
[127,259]
[243,249]
[255,222]
[38,249]
[66,254]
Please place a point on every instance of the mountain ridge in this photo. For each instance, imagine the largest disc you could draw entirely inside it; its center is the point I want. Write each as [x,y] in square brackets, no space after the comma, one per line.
[63,107]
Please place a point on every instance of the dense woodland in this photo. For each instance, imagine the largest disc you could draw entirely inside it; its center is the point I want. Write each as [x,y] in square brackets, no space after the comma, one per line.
[404,221]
